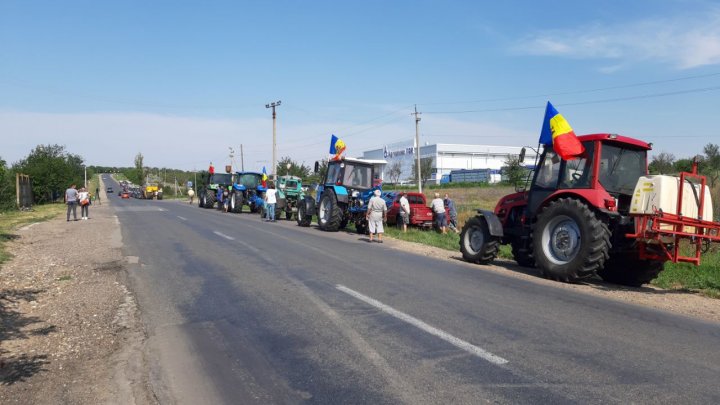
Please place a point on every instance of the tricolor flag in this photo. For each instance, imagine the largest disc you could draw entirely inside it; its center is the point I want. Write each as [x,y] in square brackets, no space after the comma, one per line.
[557,132]
[337,147]
[211,169]
[264,178]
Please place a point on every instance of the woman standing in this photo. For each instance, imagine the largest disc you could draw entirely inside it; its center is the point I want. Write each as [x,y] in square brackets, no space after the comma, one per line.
[84,198]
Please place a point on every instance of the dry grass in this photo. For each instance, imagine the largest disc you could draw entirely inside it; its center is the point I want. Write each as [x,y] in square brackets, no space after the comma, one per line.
[468,200]
[10,221]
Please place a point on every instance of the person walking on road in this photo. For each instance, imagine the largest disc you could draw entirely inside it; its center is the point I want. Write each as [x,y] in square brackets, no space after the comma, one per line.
[404,210]
[376,215]
[97,195]
[191,195]
[452,211]
[270,201]
[84,200]
[71,199]
[438,208]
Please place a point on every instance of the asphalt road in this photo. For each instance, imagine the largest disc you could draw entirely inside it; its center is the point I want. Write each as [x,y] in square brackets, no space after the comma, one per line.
[242,311]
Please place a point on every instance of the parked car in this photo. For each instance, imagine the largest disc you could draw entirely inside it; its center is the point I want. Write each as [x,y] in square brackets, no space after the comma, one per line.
[109,189]
[125,194]
[420,214]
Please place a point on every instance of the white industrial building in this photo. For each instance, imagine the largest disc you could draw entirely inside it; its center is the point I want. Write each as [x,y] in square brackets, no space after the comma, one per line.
[446,158]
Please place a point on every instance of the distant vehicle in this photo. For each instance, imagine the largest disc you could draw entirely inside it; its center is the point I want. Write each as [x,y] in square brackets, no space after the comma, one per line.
[125,194]
[109,189]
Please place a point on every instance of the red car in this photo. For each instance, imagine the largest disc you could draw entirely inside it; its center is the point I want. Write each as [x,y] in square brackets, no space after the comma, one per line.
[125,194]
[420,214]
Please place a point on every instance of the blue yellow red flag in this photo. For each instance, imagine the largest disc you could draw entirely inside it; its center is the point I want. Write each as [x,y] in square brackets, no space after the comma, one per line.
[556,131]
[264,178]
[337,148]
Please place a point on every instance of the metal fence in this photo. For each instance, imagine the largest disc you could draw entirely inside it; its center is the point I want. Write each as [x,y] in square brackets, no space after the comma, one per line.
[24,192]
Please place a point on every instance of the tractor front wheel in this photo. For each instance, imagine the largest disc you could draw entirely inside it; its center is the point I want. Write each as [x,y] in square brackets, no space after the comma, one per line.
[476,243]
[569,242]
[329,215]
[303,219]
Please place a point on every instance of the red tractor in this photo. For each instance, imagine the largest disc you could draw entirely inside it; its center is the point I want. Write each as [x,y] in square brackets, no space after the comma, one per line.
[574,222]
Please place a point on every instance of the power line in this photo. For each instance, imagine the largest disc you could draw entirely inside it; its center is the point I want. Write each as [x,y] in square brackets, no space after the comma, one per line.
[607,100]
[564,93]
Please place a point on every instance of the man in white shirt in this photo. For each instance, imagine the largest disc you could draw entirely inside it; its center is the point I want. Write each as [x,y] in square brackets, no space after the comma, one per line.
[270,201]
[404,210]
[438,207]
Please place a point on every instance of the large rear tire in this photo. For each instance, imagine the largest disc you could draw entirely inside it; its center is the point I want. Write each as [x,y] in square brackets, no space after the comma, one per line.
[329,215]
[627,269]
[303,219]
[569,242]
[476,243]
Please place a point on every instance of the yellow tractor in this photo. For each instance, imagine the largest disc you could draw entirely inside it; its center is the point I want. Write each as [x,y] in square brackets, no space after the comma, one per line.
[152,192]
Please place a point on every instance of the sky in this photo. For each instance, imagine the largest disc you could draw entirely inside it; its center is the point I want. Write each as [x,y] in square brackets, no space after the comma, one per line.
[184,82]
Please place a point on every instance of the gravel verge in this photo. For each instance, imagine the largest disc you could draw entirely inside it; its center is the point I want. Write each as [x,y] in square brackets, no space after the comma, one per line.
[70,328]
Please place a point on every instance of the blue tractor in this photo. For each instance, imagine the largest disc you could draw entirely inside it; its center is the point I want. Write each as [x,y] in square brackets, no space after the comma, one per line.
[342,196]
[247,190]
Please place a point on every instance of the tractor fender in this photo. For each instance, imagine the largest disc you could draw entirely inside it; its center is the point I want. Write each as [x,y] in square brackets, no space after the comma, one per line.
[341,193]
[493,222]
[309,205]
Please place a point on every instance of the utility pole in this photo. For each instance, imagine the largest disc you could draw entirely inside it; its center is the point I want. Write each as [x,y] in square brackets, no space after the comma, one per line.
[85,170]
[273,105]
[242,159]
[417,148]
[232,155]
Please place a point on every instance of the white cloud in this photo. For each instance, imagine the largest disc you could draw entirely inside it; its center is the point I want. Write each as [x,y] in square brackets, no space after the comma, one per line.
[114,138]
[683,42]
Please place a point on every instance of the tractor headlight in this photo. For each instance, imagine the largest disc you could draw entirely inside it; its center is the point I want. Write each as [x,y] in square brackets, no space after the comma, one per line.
[355,194]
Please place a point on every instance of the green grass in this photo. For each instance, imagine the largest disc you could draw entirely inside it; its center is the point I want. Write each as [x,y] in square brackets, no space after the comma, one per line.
[449,241]
[10,221]
[704,279]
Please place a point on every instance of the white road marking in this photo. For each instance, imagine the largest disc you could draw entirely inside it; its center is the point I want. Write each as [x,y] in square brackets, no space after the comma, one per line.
[459,343]
[183,218]
[26,227]
[223,235]
[117,220]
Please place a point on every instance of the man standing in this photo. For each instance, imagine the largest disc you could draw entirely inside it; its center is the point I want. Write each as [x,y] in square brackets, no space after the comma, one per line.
[404,210]
[270,201]
[376,214]
[438,208]
[71,199]
[97,195]
[452,221]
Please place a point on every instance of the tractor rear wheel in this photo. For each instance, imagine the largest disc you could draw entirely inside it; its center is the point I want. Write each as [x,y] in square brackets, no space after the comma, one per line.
[288,214]
[303,219]
[476,243]
[569,242]
[329,215]
[627,269]
[209,199]
[523,256]
[236,202]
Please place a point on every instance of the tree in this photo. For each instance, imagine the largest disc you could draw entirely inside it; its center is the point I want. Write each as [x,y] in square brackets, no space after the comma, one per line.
[318,175]
[51,170]
[299,170]
[426,165]
[514,169]
[663,163]
[682,165]
[711,166]
[394,172]
[7,186]
[138,175]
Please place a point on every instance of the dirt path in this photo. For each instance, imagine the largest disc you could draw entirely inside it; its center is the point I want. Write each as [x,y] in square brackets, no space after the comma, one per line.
[70,330]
